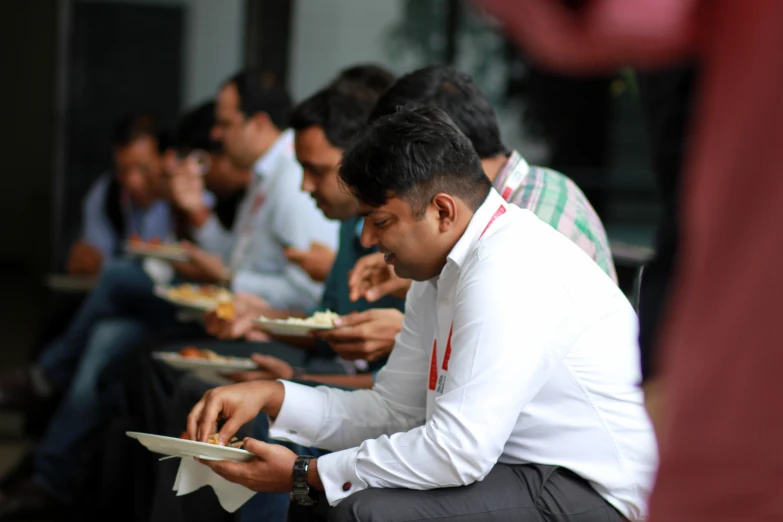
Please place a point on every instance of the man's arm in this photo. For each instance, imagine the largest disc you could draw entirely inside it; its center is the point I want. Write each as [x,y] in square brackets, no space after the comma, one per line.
[96,229]
[336,419]
[493,372]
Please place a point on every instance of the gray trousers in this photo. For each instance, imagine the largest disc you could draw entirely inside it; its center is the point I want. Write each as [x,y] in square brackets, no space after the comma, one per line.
[529,493]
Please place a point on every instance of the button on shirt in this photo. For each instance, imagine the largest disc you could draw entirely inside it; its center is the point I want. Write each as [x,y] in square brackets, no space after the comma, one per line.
[520,351]
[273,215]
[556,200]
[148,223]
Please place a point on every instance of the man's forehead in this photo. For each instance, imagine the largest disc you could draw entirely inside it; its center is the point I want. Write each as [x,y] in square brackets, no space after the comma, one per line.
[393,205]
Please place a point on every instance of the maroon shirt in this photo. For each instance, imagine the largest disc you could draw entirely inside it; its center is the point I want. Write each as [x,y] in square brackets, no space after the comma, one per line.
[722,449]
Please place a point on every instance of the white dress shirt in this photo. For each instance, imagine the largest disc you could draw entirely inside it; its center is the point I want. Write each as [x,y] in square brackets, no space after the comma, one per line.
[521,351]
[273,215]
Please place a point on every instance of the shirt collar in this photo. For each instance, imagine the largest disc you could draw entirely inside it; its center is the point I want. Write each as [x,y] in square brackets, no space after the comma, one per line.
[359,227]
[484,215]
[513,163]
[265,165]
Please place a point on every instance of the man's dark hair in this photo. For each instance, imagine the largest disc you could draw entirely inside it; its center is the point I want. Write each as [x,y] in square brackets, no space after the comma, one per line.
[455,93]
[260,91]
[414,154]
[193,131]
[369,76]
[341,113]
[136,126]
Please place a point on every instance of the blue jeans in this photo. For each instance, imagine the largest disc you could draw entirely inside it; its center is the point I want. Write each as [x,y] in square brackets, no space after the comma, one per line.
[123,290]
[120,313]
[60,454]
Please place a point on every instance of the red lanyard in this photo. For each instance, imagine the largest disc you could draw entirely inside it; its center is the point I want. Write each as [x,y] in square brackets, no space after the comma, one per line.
[433,381]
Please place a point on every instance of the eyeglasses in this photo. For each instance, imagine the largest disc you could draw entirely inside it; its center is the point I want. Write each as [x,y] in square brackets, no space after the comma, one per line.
[199,157]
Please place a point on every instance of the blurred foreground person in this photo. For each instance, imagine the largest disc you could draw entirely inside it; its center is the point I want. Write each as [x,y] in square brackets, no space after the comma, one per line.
[720,358]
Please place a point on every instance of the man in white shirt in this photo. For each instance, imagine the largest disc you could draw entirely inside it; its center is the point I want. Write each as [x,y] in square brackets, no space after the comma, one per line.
[251,113]
[511,390]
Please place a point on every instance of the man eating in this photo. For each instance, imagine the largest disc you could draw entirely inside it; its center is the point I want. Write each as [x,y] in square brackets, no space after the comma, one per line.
[511,387]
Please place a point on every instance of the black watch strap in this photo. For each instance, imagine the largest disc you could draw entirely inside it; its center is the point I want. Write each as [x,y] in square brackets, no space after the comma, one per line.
[300,491]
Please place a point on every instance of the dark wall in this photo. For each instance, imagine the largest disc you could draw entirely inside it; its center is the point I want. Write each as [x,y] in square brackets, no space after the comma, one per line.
[121,58]
[28,32]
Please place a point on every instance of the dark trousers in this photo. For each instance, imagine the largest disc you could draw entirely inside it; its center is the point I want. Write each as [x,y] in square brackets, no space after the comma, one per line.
[532,493]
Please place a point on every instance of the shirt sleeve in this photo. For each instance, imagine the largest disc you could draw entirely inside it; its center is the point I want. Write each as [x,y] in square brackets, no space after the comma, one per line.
[333,419]
[296,222]
[497,366]
[96,228]
[212,237]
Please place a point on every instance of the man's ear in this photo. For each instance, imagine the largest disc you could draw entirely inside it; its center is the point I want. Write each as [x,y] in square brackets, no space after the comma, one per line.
[446,207]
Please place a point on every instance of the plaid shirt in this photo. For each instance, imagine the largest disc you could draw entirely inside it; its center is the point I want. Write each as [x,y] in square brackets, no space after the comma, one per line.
[557,200]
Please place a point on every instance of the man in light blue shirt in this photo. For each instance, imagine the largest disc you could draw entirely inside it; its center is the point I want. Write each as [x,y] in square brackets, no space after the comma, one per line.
[275,214]
[126,202]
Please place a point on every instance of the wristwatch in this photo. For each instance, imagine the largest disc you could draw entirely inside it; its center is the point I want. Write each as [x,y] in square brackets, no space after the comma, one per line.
[300,491]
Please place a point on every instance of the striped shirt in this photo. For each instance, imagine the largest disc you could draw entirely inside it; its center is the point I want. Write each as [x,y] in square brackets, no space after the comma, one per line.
[556,200]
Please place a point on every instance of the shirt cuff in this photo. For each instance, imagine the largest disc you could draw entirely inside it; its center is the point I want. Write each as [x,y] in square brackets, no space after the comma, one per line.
[338,475]
[300,416]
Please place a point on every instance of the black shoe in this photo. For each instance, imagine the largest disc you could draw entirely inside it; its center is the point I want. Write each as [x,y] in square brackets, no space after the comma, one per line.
[17,392]
[31,502]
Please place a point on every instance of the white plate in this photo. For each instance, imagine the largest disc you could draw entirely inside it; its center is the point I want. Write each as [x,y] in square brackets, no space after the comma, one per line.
[280,327]
[188,448]
[164,252]
[206,306]
[232,365]
[70,283]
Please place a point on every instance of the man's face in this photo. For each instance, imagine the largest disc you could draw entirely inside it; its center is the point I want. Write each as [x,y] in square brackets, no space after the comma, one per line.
[139,168]
[232,128]
[224,177]
[320,162]
[410,245]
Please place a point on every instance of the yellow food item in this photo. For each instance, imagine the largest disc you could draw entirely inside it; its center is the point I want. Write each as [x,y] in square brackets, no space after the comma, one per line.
[226,311]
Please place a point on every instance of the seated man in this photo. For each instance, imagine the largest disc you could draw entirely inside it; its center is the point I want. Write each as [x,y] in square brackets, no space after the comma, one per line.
[512,385]
[554,198]
[251,118]
[127,202]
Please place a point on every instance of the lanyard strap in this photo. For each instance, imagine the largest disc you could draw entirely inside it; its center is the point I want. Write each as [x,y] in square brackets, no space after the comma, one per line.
[433,380]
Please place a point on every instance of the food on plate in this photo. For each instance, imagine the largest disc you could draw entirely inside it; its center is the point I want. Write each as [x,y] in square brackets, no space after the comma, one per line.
[226,311]
[202,295]
[202,353]
[155,244]
[317,319]
[215,439]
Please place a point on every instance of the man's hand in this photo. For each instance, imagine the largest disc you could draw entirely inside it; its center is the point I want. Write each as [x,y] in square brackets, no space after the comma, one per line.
[203,266]
[84,259]
[238,404]
[186,185]
[269,369]
[317,261]
[271,472]
[372,278]
[247,309]
[366,335]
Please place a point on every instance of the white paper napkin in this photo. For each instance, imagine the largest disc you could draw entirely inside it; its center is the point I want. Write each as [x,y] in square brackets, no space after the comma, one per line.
[194,475]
